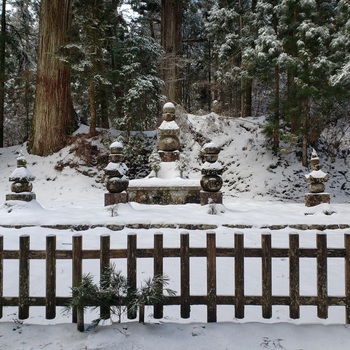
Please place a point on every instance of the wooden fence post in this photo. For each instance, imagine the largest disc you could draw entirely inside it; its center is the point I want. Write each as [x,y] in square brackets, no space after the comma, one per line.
[131,274]
[105,243]
[77,270]
[266,276]
[158,269]
[1,273]
[294,276]
[211,277]
[50,276]
[23,310]
[322,307]
[239,275]
[185,275]
[347,277]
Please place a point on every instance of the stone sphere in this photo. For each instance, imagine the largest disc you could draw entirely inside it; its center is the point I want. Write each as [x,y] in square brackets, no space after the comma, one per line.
[317,187]
[211,183]
[117,185]
[19,187]
[168,143]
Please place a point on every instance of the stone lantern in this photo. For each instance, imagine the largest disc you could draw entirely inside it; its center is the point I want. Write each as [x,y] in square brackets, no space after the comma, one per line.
[116,180]
[316,179]
[168,135]
[211,180]
[22,182]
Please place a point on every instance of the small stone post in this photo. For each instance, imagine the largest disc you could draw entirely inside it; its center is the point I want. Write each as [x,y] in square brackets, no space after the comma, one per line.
[116,180]
[211,180]
[168,134]
[22,186]
[316,179]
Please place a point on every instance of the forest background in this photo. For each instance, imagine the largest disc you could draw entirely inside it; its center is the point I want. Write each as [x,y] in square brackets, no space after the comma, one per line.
[113,63]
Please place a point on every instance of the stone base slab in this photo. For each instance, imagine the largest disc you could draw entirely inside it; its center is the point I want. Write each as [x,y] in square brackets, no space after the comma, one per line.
[210,197]
[313,199]
[25,196]
[115,198]
[164,195]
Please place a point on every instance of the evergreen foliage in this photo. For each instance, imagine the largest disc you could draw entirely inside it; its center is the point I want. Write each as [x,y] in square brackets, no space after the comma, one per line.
[115,295]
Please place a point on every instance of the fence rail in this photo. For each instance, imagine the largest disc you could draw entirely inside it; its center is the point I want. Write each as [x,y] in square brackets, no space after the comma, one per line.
[211,252]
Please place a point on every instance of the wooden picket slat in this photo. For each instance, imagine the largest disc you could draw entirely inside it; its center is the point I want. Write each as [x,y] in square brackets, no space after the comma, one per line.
[347,277]
[239,275]
[266,266]
[211,277]
[294,277]
[50,277]
[77,268]
[105,242]
[185,275]
[322,307]
[131,268]
[1,274]
[158,270]
[23,308]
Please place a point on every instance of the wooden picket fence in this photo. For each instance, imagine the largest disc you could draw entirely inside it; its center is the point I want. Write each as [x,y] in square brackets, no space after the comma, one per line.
[211,252]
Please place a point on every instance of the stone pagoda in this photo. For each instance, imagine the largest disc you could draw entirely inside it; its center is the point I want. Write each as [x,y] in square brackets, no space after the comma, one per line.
[116,180]
[165,185]
[22,182]
[316,179]
[211,180]
[168,135]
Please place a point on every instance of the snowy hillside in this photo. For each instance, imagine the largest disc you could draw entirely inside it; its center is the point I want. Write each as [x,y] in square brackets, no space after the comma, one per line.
[251,171]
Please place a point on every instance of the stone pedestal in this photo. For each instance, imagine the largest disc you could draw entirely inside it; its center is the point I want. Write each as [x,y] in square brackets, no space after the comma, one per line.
[210,197]
[115,198]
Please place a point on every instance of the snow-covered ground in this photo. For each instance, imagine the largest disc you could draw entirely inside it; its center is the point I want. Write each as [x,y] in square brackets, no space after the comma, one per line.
[259,194]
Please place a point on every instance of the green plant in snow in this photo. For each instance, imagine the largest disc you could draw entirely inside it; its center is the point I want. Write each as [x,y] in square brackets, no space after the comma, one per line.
[115,295]
[155,162]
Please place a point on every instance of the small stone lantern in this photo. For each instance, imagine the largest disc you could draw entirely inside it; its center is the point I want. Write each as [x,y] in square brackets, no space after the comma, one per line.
[168,135]
[211,180]
[316,179]
[116,180]
[22,186]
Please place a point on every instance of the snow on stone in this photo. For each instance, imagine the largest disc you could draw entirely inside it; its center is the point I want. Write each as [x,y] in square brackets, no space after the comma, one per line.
[169,125]
[212,166]
[210,145]
[20,174]
[120,167]
[316,174]
[116,144]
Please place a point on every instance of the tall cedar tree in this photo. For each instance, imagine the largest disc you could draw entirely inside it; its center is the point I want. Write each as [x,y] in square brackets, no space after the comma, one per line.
[2,71]
[53,117]
[171,41]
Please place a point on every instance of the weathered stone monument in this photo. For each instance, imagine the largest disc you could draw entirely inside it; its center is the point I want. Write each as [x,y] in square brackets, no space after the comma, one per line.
[168,135]
[116,176]
[165,184]
[211,181]
[22,182]
[316,179]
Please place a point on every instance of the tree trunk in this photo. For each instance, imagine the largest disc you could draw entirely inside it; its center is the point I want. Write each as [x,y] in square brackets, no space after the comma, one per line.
[276,111]
[2,72]
[53,118]
[103,93]
[92,107]
[171,39]
[306,114]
